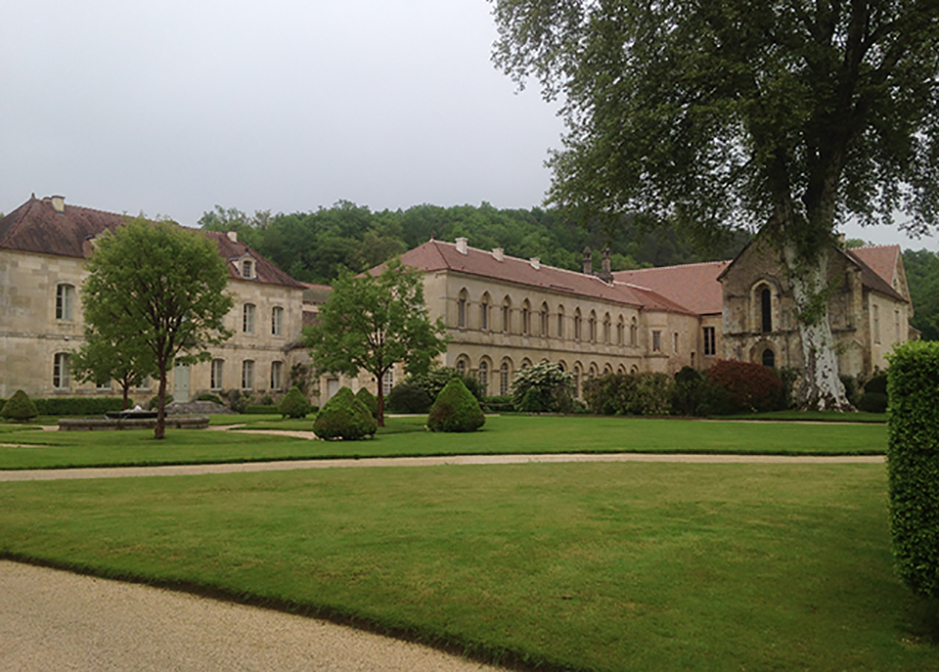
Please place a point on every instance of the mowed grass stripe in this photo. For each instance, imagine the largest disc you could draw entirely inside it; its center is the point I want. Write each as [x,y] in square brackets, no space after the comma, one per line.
[407,437]
[577,566]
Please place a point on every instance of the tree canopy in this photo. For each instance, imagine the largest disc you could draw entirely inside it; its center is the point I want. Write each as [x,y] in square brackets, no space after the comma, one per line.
[372,322]
[785,116]
[162,286]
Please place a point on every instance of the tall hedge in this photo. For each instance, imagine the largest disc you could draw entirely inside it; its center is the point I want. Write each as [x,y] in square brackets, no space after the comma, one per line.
[913,464]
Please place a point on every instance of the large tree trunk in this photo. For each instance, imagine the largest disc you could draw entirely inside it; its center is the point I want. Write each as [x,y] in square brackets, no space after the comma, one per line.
[160,431]
[820,389]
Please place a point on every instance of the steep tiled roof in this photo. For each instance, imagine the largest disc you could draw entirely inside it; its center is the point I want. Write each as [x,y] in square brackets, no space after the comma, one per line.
[37,227]
[877,268]
[692,285]
[436,255]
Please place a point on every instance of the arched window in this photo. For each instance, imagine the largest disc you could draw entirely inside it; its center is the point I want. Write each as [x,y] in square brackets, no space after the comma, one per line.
[526,318]
[507,315]
[61,371]
[484,312]
[766,305]
[461,310]
[461,366]
[65,302]
[577,325]
[592,372]
[769,358]
[561,365]
[607,370]
[561,322]
[621,370]
[504,379]
[247,319]
[620,331]
[483,377]
[592,327]
[576,380]
[607,329]
[633,333]
[526,363]
[543,328]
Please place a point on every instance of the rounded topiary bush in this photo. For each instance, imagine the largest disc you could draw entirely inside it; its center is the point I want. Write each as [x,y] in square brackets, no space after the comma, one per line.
[369,399]
[877,384]
[19,407]
[408,398]
[872,402]
[344,417]
[294,404]
[456,410]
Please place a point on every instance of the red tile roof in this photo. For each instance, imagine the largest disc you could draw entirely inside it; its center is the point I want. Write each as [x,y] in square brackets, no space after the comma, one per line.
[692,285]
[37,227]
[878,265]
[436,255]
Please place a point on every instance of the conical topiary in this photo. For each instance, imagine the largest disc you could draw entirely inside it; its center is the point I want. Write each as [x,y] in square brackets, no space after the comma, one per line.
[344,417]
[369,399]
[294,404]
[19,407]
[456,410]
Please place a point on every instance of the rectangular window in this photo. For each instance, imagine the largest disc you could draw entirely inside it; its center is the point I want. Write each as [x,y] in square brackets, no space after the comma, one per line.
[247,321]
[461,313]
[387,382]
[247,375]
[277,376]
[560,325]
[64,302]
[876,324]
[676,342]
[144,385]
[896,325]
[216,377]
[247,269]
[484,316]
[710,344]
[61,375]
[277,321]
[656,341]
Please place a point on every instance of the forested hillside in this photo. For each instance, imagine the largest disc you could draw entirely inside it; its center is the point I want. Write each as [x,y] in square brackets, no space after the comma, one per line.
[922,274]
[313,246]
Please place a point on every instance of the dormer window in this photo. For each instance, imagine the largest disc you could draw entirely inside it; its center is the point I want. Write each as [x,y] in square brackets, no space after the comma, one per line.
[247,268]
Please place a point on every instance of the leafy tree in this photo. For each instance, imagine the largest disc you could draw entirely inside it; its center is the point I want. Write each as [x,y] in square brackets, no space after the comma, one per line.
[110,355]
[165,286]
[787,116]
[922,274]
[371,322]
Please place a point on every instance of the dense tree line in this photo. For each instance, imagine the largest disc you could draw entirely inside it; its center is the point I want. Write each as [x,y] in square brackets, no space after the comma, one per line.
[314,246]
[922,275]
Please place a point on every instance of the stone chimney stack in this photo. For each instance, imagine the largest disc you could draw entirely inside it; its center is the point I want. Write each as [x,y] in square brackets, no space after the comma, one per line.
[588,261]
[461,245]
[606,274]
[535,263]
[58,204]
[232,236]
[498,253]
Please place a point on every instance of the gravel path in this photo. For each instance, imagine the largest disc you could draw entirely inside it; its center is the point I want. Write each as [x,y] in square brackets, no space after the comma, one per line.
[179,470]
[53,620]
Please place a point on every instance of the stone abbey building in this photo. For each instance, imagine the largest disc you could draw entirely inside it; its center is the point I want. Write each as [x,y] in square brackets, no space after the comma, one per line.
[503,313]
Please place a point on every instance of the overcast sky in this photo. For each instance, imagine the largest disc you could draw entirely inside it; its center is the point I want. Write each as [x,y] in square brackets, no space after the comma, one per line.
[172,107]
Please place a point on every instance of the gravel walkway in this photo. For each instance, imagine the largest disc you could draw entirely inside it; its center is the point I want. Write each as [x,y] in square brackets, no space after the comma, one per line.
[53,620]
[179,470]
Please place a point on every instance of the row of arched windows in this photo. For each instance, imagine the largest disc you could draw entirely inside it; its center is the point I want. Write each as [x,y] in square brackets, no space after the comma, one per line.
[540,321]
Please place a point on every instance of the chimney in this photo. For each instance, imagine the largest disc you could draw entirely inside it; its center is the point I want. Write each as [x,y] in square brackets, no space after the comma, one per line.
[535,263]
[232,236]
[498,253]
[58,204]
[461,246]
[606,275]
[588,261]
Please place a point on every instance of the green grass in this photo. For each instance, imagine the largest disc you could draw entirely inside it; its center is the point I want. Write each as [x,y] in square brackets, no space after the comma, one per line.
[407,437]
[810,416]
[579,566]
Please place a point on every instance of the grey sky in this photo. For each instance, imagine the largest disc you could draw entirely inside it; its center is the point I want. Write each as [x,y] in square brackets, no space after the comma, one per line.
[171,107]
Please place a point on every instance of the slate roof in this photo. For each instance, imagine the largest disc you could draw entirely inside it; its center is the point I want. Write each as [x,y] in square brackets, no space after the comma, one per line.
[37,227]
[692,285]
[436,255]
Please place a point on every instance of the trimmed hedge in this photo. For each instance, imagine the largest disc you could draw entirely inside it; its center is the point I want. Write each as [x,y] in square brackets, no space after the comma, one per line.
[630,394]
[456,410]
[19,407]
[261,409]
[498,404]
[78,405]
[408,398]
[344,417]
[872,402]
[913,464]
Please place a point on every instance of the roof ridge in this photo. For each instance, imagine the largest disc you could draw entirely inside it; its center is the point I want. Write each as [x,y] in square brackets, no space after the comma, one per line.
[518,259]
[658,268]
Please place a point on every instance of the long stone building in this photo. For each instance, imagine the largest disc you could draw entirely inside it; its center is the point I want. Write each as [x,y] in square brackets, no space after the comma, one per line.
[502,313]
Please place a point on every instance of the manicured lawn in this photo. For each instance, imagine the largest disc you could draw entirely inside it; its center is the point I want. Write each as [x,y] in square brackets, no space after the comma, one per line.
[579,566]
[810,416]
[407,437]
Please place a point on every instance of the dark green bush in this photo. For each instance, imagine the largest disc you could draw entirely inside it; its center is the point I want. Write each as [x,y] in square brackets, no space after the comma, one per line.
[267,400]
[877,384]
[498,405]
[370,401]
[436,379]
[260,409]
[294,404]
[630,394]
[20,407]
[913,464]
[152,404]
[408,398]
[688,391]
[455,410]
[344,417]
[60,406]
[872,402]
[850,388]
[237,401]
[210,397]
